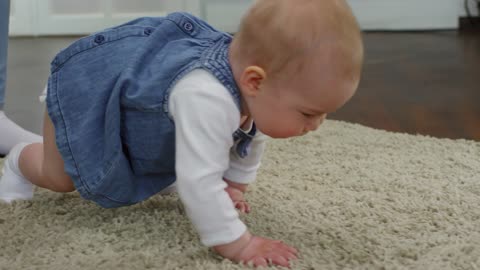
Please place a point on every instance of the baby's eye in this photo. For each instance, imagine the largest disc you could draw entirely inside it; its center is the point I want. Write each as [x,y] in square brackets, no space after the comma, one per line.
[308,115]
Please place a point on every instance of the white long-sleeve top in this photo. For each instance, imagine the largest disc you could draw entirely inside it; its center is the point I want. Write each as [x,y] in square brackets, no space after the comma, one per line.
[205,117]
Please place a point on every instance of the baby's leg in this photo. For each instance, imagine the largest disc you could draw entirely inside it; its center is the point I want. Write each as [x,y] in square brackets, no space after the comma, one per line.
[42,164]
[37,164]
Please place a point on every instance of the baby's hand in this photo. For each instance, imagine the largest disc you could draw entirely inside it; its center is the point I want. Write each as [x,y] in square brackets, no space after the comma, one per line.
[236,191]
[257,250]
[238,199]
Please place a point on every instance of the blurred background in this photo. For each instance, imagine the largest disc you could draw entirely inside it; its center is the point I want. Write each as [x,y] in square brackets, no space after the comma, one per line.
[421,73]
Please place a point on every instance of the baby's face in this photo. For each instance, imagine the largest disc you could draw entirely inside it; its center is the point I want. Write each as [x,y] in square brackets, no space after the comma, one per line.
[292,107]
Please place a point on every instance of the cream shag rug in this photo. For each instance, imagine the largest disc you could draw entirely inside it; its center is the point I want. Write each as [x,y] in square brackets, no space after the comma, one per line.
[347,196]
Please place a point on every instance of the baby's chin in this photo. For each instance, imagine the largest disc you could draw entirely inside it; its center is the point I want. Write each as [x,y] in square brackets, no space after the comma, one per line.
[281,134]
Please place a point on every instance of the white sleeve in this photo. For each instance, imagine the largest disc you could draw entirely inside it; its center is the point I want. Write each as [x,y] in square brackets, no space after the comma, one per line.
[205,117]
[244,170]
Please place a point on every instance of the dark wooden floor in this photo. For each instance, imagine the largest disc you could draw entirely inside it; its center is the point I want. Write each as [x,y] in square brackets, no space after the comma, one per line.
[420,83]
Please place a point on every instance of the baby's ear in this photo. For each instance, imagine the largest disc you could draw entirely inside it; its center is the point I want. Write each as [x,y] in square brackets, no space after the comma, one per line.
[252,78]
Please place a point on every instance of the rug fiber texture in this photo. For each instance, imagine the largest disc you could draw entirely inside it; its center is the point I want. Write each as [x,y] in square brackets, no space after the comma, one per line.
[346,196]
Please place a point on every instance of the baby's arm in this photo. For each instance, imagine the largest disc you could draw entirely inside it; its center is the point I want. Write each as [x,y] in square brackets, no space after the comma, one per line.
[204,123]
[248,248]
[243,171]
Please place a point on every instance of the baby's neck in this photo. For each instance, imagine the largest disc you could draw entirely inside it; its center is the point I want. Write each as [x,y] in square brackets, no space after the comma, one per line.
[246,123]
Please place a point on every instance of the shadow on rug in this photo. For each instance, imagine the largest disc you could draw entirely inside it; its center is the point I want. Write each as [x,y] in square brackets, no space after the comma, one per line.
[346,196]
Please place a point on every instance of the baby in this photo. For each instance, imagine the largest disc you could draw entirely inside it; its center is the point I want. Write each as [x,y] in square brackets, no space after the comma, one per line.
[157,102]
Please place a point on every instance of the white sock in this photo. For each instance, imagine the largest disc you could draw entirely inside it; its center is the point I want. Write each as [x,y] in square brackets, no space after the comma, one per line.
[12,134]
[13,185]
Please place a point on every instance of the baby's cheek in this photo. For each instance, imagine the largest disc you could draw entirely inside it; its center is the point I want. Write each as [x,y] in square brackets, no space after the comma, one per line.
[286,132]
[281,126]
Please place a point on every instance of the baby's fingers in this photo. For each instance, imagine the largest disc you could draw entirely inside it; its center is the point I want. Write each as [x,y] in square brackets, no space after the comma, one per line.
[271,259]
[279,260]
[261,250]
[259,261]
[285,253]
[287,248]
[247,207]
[243,206]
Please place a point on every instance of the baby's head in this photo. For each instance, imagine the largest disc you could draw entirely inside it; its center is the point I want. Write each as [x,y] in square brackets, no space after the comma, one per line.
[295,61]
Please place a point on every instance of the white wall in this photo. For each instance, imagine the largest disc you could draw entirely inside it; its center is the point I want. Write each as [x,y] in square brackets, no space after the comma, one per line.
[372,14]
[29,16]
[225,15]
[74,17]
[406,14]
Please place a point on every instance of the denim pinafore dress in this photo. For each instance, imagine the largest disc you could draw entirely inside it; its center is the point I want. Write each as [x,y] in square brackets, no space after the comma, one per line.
[108,100]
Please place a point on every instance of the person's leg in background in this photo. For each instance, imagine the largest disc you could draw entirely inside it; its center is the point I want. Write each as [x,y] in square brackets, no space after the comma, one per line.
[4,19]
[10,133]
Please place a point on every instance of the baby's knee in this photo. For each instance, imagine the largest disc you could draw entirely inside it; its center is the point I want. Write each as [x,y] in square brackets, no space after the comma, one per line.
[63,185]
[58,182]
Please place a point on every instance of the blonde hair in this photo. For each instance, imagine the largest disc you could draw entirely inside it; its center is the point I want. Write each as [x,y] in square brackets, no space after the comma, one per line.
[274,34]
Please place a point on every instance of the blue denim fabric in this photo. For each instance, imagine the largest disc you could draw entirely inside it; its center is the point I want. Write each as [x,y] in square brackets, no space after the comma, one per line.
[108,99]
[4,19]
[243,140]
